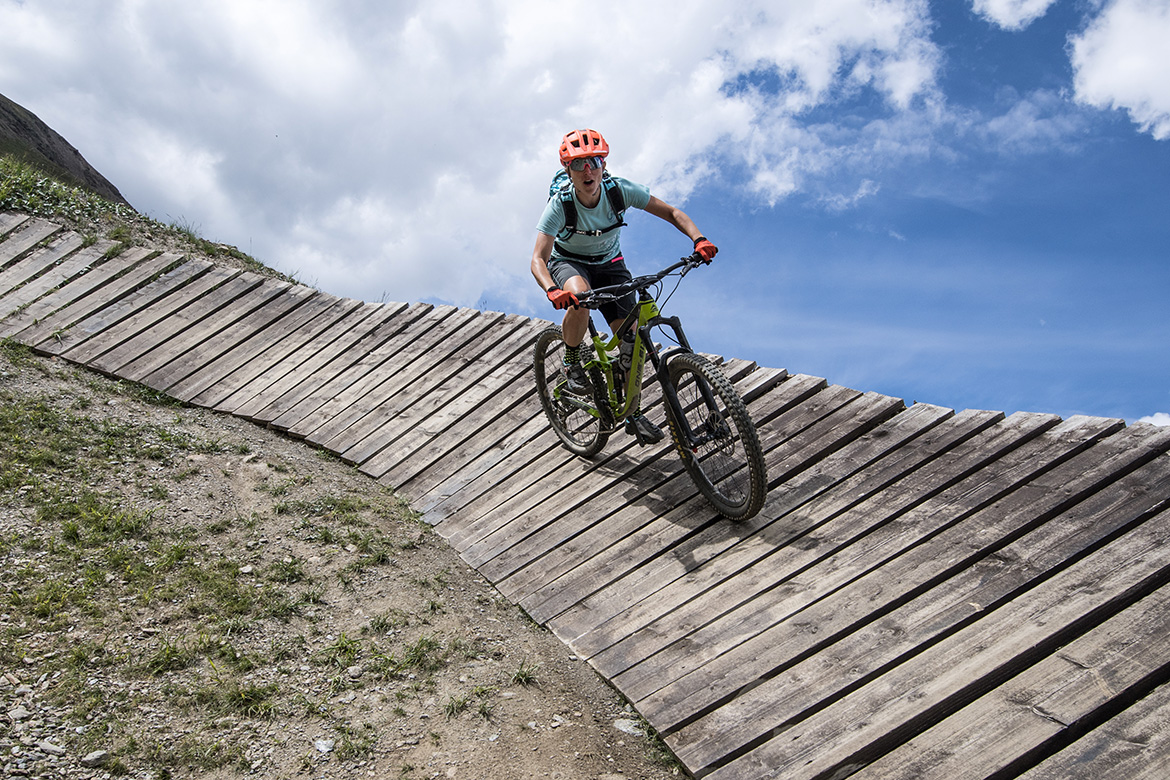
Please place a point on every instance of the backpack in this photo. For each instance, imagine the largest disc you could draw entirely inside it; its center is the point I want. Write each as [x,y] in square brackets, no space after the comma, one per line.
[562,187]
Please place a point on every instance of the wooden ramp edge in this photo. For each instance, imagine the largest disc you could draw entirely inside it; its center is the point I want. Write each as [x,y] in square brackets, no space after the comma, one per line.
[926,594]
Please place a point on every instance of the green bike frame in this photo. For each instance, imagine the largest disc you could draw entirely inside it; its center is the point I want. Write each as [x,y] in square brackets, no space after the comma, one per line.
[625,397]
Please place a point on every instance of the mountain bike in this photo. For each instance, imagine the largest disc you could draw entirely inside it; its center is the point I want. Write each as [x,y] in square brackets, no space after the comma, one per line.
[711,428]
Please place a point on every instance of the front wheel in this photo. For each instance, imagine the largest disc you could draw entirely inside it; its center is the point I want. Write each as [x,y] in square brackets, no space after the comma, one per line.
[582,423]
[716,438]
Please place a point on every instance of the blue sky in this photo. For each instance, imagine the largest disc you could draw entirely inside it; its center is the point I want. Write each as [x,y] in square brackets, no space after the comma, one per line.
[961,203]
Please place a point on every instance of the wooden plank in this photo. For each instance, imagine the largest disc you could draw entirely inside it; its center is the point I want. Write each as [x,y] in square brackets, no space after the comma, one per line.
[451,476]
[22,239]
[475,431]
[369,367]
[522,486]
[420,368]
[804,670]
[342,408]
[786,584]
[529,444]
[248,338]
[151,327]
[759,382]
[417,362]
[191,332]
[468,433]
[15,277]
[528,578]
[661,584]
[1134,745]
[543,590]
[488,516]
[1067,691]
[333,334]
[260,364]
[105,286]
[789,438]
[78,334]
[321,367]
[540,540]
[52,265]
[647,483]
[220,331]
[412,427]
[398,418]
[52,299]
[860,727]
[534,444]
[10,220]
[639,578]
[323,371]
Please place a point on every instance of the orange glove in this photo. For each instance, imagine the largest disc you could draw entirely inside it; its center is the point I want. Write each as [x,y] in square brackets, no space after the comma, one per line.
[561,299]
[706,249]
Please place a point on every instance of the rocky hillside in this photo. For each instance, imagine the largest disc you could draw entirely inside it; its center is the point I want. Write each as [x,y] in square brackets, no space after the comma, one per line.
[25,136]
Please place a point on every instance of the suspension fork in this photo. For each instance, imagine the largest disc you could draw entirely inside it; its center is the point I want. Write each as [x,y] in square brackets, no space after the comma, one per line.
[660,362]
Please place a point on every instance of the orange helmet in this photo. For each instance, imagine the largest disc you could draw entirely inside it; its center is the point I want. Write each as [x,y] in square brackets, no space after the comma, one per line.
[583,143]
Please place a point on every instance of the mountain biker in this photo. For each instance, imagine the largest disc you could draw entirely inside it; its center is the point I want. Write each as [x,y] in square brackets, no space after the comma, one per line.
[590,256]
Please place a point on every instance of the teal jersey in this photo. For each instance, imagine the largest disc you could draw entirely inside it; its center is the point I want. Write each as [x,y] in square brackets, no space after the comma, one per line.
[606,246]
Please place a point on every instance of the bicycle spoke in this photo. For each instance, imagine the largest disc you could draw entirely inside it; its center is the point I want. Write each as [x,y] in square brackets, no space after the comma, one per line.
[722,451]
[577,421]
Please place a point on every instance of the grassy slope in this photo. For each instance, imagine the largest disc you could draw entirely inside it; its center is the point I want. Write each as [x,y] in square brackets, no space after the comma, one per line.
[30,189]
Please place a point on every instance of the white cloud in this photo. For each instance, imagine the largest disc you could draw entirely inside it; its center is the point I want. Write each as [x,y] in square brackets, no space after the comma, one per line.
[1011,14]
[866,189]
[1035,122]
[1121,61]
[406,147]
[1158,418]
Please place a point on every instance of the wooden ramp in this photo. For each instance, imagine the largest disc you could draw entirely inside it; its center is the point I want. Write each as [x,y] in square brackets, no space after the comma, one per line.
[926,594]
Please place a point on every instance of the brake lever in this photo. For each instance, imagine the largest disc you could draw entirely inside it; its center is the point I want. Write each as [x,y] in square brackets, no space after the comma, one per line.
[692,262]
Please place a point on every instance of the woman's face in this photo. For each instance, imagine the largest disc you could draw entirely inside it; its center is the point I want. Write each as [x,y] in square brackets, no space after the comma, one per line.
[587,181]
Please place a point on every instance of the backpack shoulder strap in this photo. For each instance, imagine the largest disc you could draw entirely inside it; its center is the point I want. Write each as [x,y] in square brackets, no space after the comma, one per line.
[569,206]
[617,201]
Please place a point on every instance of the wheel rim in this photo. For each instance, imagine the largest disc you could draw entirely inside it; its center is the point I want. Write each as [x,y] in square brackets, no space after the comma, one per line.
[574,424]
[719,459]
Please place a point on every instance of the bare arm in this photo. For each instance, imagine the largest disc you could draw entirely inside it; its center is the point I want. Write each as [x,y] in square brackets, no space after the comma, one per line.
[674,216]
[540,256]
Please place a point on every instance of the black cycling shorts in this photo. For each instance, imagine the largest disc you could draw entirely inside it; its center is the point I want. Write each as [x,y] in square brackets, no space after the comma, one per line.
[599,275]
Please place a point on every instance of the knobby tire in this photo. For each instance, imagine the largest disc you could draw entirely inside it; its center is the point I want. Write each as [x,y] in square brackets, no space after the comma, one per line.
[583,431]
[728,466]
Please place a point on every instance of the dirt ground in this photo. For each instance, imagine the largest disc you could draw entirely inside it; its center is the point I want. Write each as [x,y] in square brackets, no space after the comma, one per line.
[185,594]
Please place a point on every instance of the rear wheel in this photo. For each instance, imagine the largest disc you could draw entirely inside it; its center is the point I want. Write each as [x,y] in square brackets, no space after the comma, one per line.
[716,438]
[583,423]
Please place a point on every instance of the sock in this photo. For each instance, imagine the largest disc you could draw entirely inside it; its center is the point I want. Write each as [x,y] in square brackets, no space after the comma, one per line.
[572,355]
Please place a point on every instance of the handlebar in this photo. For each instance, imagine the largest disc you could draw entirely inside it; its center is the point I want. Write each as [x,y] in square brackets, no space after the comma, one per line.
[597,297]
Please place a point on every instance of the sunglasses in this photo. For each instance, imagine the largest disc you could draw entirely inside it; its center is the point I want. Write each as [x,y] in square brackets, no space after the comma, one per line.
[594,162]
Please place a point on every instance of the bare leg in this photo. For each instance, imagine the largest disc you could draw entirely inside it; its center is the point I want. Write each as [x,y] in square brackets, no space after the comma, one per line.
[576,321]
